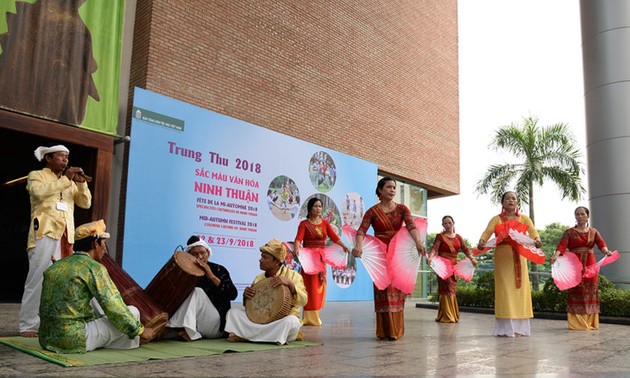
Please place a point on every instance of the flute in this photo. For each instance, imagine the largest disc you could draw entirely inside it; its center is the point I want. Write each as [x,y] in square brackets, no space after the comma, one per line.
[86,177]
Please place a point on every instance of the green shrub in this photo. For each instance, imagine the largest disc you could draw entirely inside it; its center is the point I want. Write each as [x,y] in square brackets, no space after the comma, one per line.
[604,284]
[486,281]
[549,299]
[475,297]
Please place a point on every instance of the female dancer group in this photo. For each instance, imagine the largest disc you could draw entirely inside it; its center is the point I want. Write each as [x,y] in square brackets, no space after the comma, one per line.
[513,303]
[386,218]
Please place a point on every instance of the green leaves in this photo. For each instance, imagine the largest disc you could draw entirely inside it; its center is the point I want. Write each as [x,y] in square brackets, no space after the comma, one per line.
[539,154]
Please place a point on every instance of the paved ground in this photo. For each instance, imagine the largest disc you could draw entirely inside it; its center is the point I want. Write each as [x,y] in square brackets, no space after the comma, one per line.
[350,349]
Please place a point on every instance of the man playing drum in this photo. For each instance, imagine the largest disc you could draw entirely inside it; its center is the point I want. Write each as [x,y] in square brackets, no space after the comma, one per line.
[281,331]
[203,312]
[81,309]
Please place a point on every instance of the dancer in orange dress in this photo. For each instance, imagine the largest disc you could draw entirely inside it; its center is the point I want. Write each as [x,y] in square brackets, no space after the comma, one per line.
[312,233]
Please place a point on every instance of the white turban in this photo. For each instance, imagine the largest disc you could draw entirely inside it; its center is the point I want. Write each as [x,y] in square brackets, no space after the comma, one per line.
[41,151]
[199,243]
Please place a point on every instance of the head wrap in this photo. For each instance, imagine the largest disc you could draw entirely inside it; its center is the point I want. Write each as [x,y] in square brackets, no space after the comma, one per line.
[276,249]
[42,151]
[96,229]
[197,244]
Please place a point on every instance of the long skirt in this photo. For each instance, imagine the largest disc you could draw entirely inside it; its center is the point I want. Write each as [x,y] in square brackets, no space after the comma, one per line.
[448,310]
[316,290]
[389,305]
[583,299]
[583,322]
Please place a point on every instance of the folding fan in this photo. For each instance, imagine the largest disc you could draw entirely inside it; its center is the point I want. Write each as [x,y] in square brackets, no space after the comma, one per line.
[311,260]
[567,271]
[374,257]
[335,256]
[442,266]
[488,246]
[526,246]
[593,270]
[350,234]
[464,269]
[502,230]
[403,260]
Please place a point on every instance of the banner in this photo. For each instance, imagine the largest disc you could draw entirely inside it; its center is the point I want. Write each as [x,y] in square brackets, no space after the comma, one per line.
[60,60]
[235,185]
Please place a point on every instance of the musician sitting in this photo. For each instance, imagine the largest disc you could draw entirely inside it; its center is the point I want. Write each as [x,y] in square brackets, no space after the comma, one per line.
[81,308]
[203,313]
[279,331]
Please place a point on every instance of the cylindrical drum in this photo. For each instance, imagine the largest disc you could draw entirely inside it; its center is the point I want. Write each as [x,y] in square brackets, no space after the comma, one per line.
[150,314]
[175,281]
[269,303]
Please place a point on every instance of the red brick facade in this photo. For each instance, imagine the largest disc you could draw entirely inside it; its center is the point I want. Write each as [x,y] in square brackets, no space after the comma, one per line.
[373,79]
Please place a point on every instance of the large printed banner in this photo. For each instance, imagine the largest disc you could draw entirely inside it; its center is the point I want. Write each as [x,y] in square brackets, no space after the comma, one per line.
[237,186]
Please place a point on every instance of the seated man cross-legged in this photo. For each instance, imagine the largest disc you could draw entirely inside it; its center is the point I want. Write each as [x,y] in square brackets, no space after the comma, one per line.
[281,331]
[81,309]
[203,312]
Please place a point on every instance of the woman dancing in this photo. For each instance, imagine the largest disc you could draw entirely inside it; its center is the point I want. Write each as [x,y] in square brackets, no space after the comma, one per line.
[312,233]
[386,218]
[447,244]
[512,297]
[583,299]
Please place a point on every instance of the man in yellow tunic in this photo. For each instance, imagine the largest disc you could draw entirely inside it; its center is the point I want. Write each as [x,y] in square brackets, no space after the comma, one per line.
[53,190]
[281,331]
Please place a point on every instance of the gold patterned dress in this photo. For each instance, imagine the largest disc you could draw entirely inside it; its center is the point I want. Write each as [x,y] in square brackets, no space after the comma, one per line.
[389,304]
[448,247]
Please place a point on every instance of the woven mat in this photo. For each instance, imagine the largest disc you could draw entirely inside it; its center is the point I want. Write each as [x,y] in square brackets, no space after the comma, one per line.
[158,350]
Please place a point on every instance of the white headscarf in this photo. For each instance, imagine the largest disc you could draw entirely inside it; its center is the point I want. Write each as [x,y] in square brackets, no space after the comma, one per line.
[41,151]
[200,243]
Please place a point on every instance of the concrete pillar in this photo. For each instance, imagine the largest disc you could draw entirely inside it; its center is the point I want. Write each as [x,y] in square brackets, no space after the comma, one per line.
[606,56]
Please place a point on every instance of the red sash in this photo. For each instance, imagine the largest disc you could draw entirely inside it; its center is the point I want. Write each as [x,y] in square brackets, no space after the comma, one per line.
[389,227]
[449,244]
[583,252]
[517,259]
[316,240]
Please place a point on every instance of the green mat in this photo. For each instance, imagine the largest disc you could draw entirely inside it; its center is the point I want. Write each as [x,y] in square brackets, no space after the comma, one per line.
[158,350]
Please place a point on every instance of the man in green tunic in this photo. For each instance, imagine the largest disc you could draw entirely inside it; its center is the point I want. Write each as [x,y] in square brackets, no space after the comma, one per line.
[81,308]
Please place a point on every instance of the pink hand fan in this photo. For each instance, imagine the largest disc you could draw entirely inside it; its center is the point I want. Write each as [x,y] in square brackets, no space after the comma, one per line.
[350,234]
[464,269]
[488,246]
[442,266]
[374,257]
[336,257]
[593,270]
[403,260]
[567,271]
[526,247]
[502,230]
[311,260]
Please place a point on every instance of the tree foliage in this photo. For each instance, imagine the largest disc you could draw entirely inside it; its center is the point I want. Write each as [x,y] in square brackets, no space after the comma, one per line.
[540,154]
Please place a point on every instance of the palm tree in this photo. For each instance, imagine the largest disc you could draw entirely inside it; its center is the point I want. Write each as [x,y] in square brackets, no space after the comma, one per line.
[541,154]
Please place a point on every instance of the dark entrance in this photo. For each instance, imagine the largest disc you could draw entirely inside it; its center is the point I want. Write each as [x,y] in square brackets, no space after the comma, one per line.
[19,137]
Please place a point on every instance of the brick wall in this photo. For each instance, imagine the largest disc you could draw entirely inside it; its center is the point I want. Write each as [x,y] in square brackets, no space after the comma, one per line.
[373,79]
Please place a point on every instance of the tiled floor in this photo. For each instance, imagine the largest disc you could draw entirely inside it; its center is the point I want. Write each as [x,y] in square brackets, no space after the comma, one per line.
[350,349]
